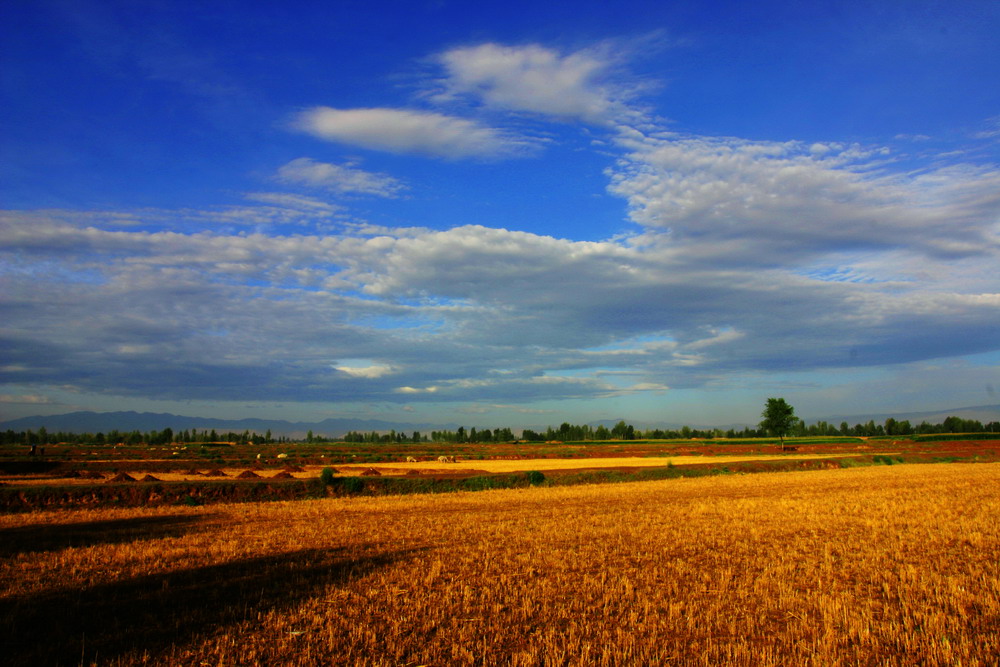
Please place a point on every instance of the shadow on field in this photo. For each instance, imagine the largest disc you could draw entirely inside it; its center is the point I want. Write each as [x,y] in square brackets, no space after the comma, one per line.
[28,467]
[54,537]
[151,613]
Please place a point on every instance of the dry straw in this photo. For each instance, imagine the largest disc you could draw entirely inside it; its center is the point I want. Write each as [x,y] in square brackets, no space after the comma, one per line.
[882,565]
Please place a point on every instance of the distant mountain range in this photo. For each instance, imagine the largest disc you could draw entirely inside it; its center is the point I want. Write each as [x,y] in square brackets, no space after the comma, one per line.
[93,422]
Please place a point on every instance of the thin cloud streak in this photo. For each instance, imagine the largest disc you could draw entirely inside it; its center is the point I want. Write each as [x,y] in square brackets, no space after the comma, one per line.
[529,78]
[409,131]
[343,179]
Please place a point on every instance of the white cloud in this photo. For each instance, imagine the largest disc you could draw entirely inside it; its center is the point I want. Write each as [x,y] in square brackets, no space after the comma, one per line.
[784,203]
[371,371]
[338,178]
[533,78]
[414,390]
[992,131]
[407,131]
[716,338]
[475,262]
[267,210]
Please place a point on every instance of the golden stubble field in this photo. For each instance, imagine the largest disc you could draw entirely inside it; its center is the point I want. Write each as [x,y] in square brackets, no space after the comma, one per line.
[559,464]
[885,565]
[428,466]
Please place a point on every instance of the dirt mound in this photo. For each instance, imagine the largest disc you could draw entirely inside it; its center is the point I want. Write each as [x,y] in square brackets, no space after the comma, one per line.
[412,473]
[284,474]
[371,472]
[150,478]
[215,473]
[248,474]
[122,477]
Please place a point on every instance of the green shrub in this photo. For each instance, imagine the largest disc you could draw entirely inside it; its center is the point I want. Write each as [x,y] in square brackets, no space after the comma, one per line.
[353,484]
[326,477]
[535,478]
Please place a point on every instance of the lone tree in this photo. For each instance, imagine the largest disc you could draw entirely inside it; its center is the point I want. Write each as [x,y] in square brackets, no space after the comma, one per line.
[779,418]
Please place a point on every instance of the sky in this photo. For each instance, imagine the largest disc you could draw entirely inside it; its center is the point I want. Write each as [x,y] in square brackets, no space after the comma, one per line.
[490,213]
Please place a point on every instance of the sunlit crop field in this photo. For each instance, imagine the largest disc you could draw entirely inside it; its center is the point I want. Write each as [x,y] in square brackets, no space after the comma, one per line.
[894,565]
[524,465]
[433,466]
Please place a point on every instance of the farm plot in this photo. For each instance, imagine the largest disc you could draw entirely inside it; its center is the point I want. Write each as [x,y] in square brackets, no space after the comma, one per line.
[430,466]
[552,464]
[881,565]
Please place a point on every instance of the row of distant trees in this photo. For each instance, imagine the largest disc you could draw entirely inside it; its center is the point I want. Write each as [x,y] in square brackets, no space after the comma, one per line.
[504,434]
[894,427]
[564,433]
[624,431]
[165,437]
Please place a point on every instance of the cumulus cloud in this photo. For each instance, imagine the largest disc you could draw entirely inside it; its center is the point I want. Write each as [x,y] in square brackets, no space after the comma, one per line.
[338,178]
[779,203]
[409,131]
[467,314]
[414,390]
[370,371]
[533,78]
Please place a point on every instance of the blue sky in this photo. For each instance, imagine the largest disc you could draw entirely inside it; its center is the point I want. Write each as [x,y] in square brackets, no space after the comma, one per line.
[499,213]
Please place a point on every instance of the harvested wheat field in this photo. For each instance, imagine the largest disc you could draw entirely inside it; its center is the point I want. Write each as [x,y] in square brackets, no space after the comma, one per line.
[558,464]
[888,565]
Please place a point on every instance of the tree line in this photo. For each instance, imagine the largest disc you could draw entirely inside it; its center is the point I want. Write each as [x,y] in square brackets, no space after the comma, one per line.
[114,437]
[565,432]
[623,431]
